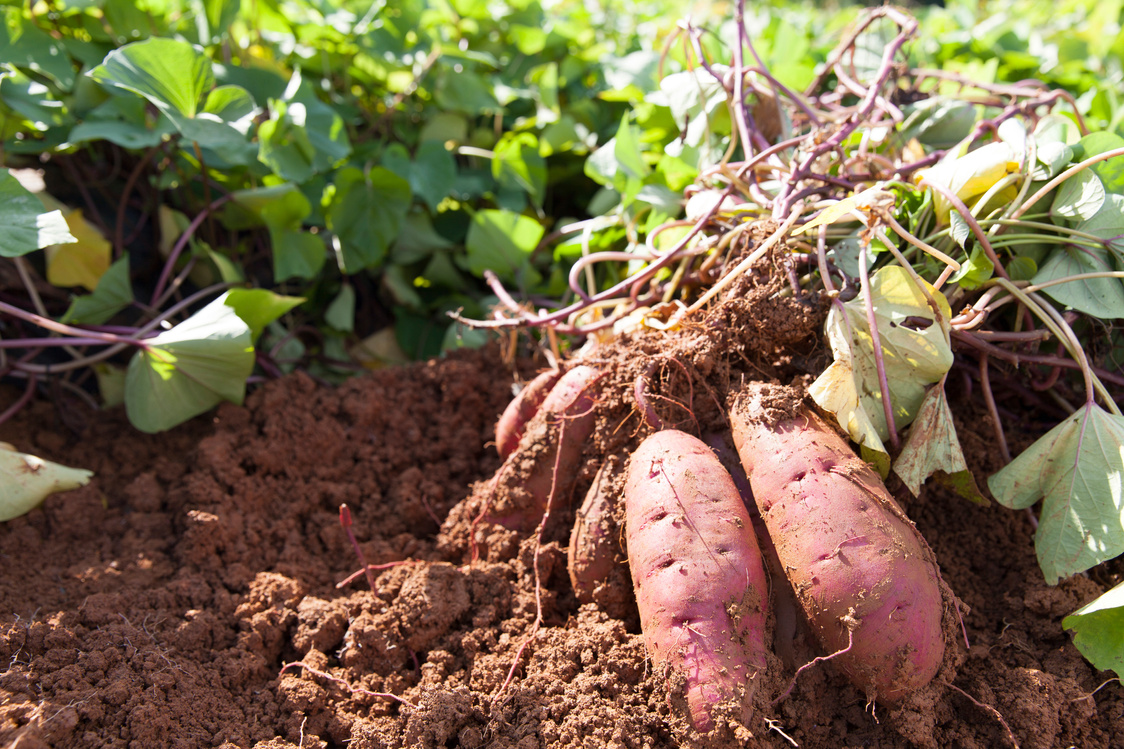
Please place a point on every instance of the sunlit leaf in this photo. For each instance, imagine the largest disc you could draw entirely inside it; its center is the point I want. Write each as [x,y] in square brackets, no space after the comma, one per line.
[1077,470]
[171,74]
[1098,631]
[27,227]
[501,241]
[968,175]
[1079,197]
[259,307]
[26,480]
[189,369]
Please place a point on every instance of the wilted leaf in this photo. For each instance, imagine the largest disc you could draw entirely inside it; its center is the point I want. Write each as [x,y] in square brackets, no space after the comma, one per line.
[79,263]
[932,446]
[1098,631]
[967,175]
[1077,470]
[25,481]
[915,350]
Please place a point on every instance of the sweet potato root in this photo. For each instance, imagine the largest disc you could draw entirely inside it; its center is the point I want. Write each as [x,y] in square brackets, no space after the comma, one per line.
[513,421]
[862,573]
[597,568]
[697,572]
[546,461]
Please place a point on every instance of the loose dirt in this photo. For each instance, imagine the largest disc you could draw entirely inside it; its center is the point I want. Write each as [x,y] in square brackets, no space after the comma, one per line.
[160,605]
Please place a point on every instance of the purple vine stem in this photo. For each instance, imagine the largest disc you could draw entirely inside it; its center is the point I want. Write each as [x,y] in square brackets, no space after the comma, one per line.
[181,243]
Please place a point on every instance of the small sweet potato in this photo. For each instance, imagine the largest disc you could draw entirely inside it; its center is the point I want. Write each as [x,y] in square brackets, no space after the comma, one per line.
[513,421]
[858,566]
[697,572]
[545,464]
[596,562]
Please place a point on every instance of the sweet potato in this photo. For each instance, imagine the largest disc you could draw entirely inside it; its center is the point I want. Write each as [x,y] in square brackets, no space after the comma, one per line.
[858,566]
[545,464]
[513,421]
[697,572]
[593,542]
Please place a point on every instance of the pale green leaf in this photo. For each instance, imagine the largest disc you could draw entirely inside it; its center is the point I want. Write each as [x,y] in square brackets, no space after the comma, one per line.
[189,369]
[1100,297]
[1077,470]
[1098,631]
[1079,197]
[26,480]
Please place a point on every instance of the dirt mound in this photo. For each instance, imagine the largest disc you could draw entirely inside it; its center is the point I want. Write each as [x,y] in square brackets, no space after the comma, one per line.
[158,605]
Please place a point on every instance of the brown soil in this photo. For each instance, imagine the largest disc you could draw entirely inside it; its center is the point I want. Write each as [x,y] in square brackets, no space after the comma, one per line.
[159,605]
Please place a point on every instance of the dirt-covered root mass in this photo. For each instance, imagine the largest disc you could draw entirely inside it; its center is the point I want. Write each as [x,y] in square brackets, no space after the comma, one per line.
[159,605]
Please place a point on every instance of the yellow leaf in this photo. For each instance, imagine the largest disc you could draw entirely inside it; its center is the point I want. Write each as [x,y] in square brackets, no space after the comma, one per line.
[837,211]
[79,263]
[969,175]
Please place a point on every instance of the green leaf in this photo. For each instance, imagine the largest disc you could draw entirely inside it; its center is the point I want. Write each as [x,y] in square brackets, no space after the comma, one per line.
[915,350]
[341,312]
[1098,631]
[1079,197]
[114,293]
[259,307]
[628,151]
[27,227]
[433,172]
[366,214]
[501,241]
[932,446]
[296,254]
[517,164]
[213,18]
[977,270]
[171,74]
[1108,223]
[24,45]
[25,481]
[1077,469]
[189,369]
[1100,297]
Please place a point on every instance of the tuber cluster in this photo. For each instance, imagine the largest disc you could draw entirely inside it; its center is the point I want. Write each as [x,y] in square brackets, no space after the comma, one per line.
[866,582]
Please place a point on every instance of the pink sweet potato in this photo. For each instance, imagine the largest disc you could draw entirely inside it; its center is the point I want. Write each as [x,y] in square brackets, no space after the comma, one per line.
[541,472]
[596,561]
[513,421]
[858,566]
[697,572]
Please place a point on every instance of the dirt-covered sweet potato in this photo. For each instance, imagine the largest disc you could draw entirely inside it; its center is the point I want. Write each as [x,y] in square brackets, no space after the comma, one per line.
[858,566]
[596,560]
[513,421]
[697,572]
[543,467]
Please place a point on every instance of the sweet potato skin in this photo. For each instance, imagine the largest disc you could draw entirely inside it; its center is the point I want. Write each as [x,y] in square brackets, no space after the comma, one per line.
[594,546]
[545,464]
[513,422]
[697,572]
[858,566]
